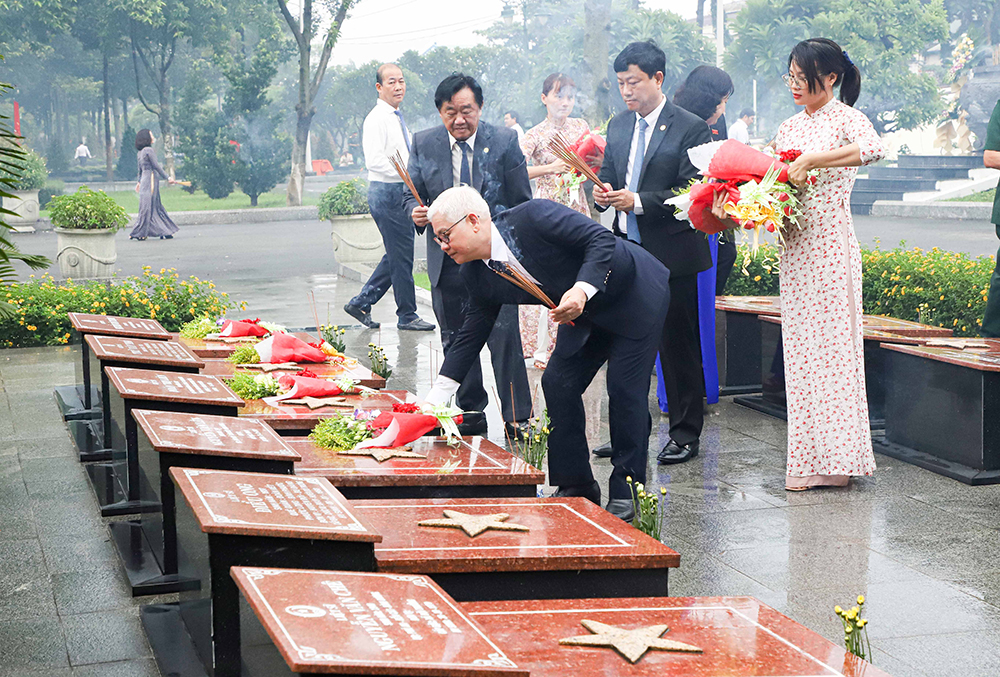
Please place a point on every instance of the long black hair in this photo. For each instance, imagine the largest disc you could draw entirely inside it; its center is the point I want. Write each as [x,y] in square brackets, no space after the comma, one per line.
[143,139]
[819,57]
[703,90]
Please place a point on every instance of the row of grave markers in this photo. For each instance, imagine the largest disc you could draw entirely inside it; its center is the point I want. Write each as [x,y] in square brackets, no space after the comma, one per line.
[292,559]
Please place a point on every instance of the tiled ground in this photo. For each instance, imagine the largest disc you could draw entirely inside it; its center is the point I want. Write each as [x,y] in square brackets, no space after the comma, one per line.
[925,550]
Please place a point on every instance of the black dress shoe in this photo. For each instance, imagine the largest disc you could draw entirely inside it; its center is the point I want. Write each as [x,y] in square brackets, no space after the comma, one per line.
[622,508]
[473,423]
[677,453]
[603,451]
[416,325]
[591,492]
[517,431]
[362,316]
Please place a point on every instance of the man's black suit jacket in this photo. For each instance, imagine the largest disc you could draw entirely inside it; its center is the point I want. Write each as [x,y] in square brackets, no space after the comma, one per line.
[559,246]
[499,173]
[665,167]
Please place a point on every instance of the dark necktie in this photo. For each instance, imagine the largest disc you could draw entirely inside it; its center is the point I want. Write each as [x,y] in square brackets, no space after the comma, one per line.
[406,132]
[465,175]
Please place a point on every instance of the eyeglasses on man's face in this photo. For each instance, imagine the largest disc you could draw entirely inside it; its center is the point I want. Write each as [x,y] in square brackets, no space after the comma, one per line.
[444,237]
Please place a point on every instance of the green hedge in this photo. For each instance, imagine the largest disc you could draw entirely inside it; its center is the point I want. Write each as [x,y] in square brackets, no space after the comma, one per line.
[40,305]
[946,289]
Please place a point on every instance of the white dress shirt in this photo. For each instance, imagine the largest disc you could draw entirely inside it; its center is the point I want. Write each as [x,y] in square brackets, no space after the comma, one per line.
[444,388]
[381,137]
[520,132]
[739,131]
[456,157]
[651,120]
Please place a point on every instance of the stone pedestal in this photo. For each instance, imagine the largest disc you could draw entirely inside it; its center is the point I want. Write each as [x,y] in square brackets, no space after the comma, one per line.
[229,519]
[82,401]
[118,483]
[474,468]
[299,419]
[572,548]
[148,545]
[737,340]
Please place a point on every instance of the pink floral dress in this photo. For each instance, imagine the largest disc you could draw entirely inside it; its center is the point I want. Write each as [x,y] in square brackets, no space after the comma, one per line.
[829,438]
[536,342]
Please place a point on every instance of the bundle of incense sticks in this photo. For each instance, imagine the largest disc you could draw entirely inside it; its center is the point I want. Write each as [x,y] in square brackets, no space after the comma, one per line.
[562,149]
[519,280]
[396,160]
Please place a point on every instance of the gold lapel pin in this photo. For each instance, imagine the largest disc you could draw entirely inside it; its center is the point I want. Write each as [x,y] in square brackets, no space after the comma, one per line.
[663,128]
[486,150]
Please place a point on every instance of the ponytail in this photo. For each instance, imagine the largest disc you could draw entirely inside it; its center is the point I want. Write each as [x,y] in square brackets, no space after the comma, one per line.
[850,82]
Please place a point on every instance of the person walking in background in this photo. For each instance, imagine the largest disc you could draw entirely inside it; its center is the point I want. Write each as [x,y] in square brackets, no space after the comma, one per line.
[991,159]
[829,435]
[740,130]
[152,220]
[512,120]
[553,181]
[645,161]
[384,134]
[464,150]
[82,153]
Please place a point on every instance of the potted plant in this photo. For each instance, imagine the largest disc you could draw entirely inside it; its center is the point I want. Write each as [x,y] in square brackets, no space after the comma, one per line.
[86,222]
[356,238]
[30,177]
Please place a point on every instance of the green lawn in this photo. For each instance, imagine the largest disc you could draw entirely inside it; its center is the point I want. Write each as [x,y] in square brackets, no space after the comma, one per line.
[983,196]
[177,200]
[422,281]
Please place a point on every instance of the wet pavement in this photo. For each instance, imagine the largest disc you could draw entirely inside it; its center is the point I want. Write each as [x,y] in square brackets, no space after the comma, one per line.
[923,549]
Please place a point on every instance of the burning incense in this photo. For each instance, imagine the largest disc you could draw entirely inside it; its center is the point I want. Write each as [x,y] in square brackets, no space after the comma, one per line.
[396,160]
[519,280]
[563,150]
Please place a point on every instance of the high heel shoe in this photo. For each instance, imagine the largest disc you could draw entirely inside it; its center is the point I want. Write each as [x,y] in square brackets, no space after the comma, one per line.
[166,237]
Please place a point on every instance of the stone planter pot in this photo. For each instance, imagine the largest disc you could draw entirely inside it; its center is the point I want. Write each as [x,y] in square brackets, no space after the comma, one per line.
[25,205]
[85,254]
[356,239]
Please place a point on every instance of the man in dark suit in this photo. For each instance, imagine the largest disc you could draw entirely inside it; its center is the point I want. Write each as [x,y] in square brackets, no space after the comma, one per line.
[467,151]
[612,302]
[645,160]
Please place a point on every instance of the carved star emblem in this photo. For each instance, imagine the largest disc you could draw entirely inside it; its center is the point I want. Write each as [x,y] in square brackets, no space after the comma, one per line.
[473,525]
[267,367]
[317,402]
[631,644]
[383,454]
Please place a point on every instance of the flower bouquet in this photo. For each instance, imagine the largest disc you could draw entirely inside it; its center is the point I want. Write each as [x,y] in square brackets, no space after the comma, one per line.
[759,197]
[298,386]
[279,348]
[385,430]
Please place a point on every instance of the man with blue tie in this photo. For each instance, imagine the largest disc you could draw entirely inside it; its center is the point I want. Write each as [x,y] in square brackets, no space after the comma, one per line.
[467,151]
[384,134]
[645,161]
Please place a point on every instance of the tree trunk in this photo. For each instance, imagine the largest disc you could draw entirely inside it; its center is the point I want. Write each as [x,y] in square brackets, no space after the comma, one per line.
[124,113]
[253,200]
[108,160]
[701,16]
[166,130]
[117,129]
[297,178]
[597,29]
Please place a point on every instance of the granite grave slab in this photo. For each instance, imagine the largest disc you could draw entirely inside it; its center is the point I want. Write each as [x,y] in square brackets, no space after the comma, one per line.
[300,419]
[217,347]
[737,340]
[147,546]
[119,483]
[228,519]
[475,467]
[569,547]
[329,370]
[345,623]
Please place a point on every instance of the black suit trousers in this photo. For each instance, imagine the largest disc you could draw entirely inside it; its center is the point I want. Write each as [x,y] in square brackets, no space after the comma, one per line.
[630,365]
[680,357]
[450,299]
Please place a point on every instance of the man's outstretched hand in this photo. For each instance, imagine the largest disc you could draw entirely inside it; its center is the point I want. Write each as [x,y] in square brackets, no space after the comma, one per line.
[570,306]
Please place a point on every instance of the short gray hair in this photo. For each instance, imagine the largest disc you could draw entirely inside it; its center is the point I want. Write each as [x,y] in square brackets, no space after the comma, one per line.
[457,202]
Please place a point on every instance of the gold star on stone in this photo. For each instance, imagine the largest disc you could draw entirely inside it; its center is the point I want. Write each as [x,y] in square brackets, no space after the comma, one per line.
[383,454]
[317,402]
[268,367]
[473,525]
[631,644]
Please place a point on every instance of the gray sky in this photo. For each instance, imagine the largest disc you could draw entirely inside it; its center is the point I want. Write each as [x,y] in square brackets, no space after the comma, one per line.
[384,29]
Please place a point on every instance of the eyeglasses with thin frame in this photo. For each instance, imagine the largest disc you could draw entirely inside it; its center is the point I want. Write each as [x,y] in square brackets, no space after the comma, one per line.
[794,82]
[443,237]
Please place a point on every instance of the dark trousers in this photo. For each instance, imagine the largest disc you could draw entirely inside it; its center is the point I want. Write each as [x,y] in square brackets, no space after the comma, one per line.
[991,318]
[680,357]
[630,367]
[450,299]
[725,261]
[396,267]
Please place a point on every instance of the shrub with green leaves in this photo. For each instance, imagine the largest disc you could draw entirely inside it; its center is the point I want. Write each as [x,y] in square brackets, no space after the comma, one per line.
[31,174]
[50,190]
[40,305]
[344,199]
[936,287]
[87,210]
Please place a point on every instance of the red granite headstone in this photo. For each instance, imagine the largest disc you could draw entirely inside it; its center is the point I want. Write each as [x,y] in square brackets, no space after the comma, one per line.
[754,305]
[111,325]
[202,434]
[365,377]
[142,351]
[369,624]
[302,419]
[165,386]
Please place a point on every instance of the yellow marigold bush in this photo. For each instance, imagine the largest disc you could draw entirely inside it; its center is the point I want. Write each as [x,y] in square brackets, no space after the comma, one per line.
[40,305]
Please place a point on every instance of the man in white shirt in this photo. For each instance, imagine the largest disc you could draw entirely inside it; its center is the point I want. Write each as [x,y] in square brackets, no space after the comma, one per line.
[82,153]
[512,120]
[384,134]
[740,130]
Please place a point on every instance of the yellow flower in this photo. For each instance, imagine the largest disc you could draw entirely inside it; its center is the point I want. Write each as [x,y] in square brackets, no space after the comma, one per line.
[838,610]
[861,599]
[32,327]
